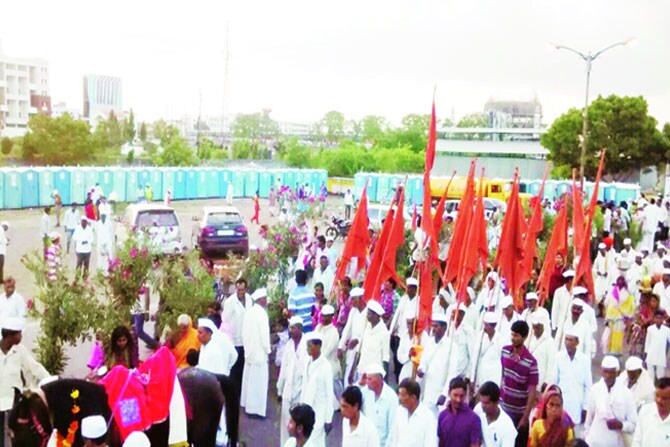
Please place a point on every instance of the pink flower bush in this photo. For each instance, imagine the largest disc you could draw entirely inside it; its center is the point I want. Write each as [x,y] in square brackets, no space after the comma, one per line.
[133,253]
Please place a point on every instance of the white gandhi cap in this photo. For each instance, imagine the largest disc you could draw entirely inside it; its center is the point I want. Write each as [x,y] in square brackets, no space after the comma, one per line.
[610,362]
[93,427]
[375,307]
[137,439]
[633,363]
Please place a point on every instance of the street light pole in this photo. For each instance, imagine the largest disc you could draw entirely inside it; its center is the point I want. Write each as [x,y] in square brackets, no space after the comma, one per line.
[588,58]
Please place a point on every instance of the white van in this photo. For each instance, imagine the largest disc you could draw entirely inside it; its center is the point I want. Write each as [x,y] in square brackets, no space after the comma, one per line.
[159,222]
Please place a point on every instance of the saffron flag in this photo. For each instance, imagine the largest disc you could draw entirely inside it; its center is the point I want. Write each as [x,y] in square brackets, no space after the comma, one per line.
[578,228]
[427,225]
[378,256]
[558,243]
[476,251]
[358,240]
[425,312]
[535,225]
[438,220]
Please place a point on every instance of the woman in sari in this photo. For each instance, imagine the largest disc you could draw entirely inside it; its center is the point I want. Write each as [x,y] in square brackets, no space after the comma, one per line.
[619,312]
[183,340]
[554,428]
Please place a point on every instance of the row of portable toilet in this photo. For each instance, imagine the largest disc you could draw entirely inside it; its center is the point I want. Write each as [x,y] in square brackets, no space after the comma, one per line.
[609,192]
[381,187]
[32,187]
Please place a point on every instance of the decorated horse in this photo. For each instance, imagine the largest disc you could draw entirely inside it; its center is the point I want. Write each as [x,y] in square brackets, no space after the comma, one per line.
[172,409]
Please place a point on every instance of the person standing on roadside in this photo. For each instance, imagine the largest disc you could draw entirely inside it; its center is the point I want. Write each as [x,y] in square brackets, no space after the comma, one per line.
[70,222]
[83,242]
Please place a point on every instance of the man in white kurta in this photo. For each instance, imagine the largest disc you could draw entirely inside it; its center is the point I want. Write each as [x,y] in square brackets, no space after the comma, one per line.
[573,376]
[289,383]
[217,353]
[543,348]
[653,425]
[491,294]
[601,275]
[104,239]
[380,402]
[357,429]
[638,381]
[533,310]
[324,274]
[509,316]
[414,425]
[317,388]
[256,341]
[662,289]
[352,332]
[560,306]
[656,346]
[376,341]
[578,324]
[461,349]
[486,365]
[331,339]
[610,410]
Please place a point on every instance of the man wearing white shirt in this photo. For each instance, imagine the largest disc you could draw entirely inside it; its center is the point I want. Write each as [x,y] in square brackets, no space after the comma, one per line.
[83,244]
[104,232]
[317,388]
[300,426]
[70,222]
[498,430]
[289,383]
[217,353]
[357,429]
[324,275]
[610,410]
[509,316]
[533,310]
[398,328]
[573,376]
[375,344]
[12,304]
[487,367]
[45,225]
[653,427]
[433,365]
[460,354]
[256,341]
[348,204]
[656,346]
[380,402]
[232,322]
[638,381]
[579,325]
[662,289]
[353,331]
[415,425]
[331,338]
[543,348]
[560,306]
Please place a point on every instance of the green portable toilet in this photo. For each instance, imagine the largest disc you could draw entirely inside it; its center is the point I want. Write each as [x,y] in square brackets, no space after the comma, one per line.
[46,186]
[77,185]
[13,188]
[250,182]
[212,182]
[30,188]
[265,182]
[156,180]
[131,185]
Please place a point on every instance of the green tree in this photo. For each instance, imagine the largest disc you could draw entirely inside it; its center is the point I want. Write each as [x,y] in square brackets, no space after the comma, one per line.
[297,155]
[7,145]
[176,153]
[109,134]
[332,126]
[621,125]
[241,150]
[130,158]
[255,125]
[373,128]
[143,132]
[164,132]
[209,151]
[473,120]
[59,141]
[129,127]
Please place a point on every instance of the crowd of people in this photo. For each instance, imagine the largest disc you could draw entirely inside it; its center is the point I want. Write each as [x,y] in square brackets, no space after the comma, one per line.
[483,373]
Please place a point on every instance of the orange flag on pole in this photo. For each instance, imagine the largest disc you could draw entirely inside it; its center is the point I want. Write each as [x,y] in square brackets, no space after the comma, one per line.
[577,216]
[535,225]
[378,256]
[358,240]
[438,219]
[558,243]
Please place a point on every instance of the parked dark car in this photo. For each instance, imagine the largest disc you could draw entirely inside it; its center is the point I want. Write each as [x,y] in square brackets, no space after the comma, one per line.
[221,230]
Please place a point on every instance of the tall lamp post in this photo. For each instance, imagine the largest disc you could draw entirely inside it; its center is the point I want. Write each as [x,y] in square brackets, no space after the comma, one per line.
[589,58]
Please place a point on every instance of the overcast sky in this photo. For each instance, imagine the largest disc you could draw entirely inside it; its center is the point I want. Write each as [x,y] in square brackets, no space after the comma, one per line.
[302,58]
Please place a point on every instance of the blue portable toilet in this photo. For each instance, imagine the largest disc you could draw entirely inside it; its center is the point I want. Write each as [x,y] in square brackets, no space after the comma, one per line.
[167,175]
[301,177]
[610,192]
[563,186]
[359,184]
[212,182]
[524,186]
[384,188]
[77,185]
[627,192]
[2,189]
[144,177]
[91,176]
[191,183]
[279,174]
[106,180]
[13,183]
[179,192]
[131,185]
[265,182]
[45,182]
[290,178]
[590,186]
[225,178]
[534,187]
[238,182]
[201,175]
[118,184]
[550,189]
[415,190]
[156,181]
[250,182]
[62,184]
[30,188]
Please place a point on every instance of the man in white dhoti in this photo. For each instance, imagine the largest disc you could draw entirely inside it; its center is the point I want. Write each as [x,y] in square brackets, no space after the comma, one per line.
[601,275]
[610,411]
[331,339]
[353,331]
[256,341]
[317,388]
[649,225]
[289,383]
[376,340]
[573,376]
[104,234]
[656,346]
[560,306]
[579,325]
[486,366]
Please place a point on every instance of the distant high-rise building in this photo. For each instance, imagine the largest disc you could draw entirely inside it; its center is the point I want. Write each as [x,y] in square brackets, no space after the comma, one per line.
[102,95]
[24,91]
[514,114]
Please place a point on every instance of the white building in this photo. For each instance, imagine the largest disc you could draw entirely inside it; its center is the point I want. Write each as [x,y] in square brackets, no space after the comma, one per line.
[24,91]
[102,95]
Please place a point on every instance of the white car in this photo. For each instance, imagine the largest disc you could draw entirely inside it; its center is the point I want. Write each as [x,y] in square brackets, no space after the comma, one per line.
[157,222]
